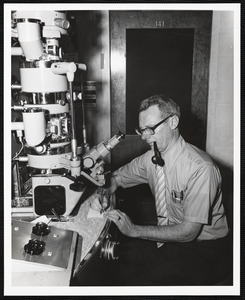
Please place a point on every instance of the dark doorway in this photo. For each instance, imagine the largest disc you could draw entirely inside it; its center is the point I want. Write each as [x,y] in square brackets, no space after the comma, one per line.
[158,62]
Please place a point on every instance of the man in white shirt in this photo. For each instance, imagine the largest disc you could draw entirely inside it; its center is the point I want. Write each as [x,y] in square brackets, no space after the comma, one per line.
[189,248]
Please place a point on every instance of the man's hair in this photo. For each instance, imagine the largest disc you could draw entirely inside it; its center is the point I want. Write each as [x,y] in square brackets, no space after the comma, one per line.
[165,104]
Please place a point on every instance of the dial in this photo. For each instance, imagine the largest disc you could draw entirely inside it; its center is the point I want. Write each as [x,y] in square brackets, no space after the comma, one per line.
[41,229]
[34,247]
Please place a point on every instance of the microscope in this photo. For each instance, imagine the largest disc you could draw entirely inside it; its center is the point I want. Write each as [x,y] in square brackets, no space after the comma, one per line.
[51,171]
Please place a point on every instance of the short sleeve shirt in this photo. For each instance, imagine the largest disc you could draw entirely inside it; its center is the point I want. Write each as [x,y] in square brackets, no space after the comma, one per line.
[193,186]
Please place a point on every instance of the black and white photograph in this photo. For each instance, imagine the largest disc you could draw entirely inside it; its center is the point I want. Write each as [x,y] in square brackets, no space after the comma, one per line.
[122,149]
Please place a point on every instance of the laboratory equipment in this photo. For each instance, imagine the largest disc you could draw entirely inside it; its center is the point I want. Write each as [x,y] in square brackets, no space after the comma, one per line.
[51,171]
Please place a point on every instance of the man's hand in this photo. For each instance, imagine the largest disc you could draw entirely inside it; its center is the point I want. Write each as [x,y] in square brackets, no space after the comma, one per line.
[99,201]
[113,186]
[122,221]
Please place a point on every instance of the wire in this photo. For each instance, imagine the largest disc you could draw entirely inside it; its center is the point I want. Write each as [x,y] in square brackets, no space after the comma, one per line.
[18,153]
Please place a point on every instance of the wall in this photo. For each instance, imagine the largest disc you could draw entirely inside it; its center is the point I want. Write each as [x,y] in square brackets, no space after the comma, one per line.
[220,138]
[220,103]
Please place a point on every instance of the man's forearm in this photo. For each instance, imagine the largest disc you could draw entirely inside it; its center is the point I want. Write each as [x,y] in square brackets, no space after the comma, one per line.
[184,232]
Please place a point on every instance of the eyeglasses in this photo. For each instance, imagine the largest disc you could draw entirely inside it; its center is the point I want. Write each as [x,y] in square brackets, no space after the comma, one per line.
[150,130]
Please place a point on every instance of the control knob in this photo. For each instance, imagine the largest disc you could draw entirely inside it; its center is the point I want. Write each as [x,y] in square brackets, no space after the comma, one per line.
[34,247]
[41,229]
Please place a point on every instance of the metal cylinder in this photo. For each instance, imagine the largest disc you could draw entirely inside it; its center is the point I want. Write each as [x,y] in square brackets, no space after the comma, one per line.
[73,129]
[37,77]
[34,126]
[30,37]
[62,23]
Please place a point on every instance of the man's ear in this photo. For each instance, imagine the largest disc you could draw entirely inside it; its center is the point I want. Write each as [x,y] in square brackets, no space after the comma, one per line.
[174,122]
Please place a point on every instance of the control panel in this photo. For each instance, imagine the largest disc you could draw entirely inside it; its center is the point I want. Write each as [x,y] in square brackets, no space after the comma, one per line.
[38,244]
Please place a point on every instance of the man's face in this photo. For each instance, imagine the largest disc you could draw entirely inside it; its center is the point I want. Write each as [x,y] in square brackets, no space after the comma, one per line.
[163,133]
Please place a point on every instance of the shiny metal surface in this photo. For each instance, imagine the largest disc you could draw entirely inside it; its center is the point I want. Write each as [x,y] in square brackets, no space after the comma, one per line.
[57,249]
[35,64]
[23,20]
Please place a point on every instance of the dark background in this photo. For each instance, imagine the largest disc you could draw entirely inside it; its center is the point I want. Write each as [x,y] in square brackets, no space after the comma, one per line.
[158,61]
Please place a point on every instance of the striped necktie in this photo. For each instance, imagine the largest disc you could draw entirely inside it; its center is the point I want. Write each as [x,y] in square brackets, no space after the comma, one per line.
[160,198]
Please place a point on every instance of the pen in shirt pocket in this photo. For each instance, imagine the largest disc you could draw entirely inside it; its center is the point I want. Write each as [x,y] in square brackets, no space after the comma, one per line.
[177,196]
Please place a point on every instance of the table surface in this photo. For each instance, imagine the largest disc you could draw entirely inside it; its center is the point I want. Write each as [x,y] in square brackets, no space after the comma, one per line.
[89,229]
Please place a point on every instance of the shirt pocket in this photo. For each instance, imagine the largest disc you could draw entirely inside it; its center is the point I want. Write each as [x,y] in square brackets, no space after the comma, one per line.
[176,205]
[177,197]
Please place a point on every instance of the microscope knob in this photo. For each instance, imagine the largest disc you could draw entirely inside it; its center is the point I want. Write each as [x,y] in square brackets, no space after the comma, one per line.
[77,186]
[88,162]
[41,229]
[34,247]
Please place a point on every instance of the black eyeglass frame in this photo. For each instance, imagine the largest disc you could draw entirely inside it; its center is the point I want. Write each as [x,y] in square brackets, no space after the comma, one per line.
[140,131]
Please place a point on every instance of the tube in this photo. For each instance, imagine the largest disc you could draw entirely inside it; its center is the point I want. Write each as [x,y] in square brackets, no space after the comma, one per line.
[34,126]
[30,37]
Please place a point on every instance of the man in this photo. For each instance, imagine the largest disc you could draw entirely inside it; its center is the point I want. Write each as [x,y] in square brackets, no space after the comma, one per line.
[188,246]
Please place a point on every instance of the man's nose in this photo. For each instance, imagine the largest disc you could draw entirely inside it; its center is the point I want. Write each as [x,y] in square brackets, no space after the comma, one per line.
[143,136]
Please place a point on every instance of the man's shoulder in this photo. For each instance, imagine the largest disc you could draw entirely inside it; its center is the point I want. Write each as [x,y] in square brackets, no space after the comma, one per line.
[196,155]
[146,156]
